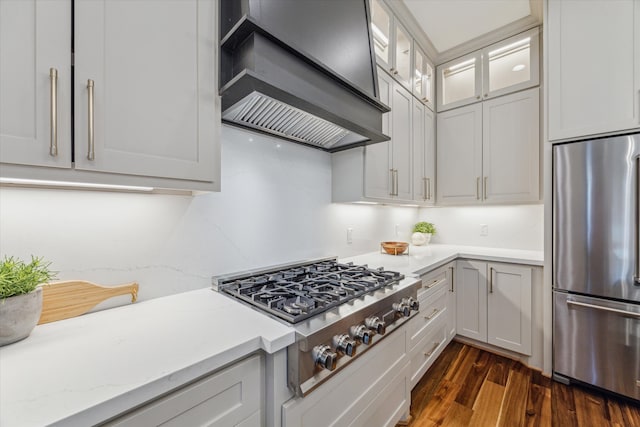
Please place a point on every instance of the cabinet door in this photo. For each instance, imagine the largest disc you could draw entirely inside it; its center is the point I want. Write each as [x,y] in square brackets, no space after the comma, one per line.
[511,147]
[594,67]
[451,302]
[422,77]
[459,82]
[153,66]
[381,22]
[377,157]
[423,154]
[35,37]
[401,142]
[459,155]
[509,307]
[471,298]
[402,55]
[511,65]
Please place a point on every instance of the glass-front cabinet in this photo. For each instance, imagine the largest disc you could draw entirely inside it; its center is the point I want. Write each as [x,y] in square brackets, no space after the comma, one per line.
[504,67]
[392,42]
[422,77]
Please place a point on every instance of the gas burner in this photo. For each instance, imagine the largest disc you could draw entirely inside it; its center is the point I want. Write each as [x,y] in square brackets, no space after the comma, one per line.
[297,292]
[298,305]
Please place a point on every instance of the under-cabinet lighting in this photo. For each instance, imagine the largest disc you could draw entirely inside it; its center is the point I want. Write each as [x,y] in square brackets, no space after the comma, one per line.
[366,203]
[410,206]
[79,185]
[513,45]
[461,65]
[379,36]
[519,67]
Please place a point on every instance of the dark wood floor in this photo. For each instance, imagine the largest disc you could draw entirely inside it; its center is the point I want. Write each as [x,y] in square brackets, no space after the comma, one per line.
[471,387]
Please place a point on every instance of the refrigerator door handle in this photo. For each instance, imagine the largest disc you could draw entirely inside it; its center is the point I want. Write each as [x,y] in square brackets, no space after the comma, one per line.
[636,275]
[624,313]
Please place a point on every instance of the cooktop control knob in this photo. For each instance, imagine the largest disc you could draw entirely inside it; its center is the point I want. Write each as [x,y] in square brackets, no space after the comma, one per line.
[376,324]
[413,304]
[402,308]
[344,344]
[324,357]
[361,333]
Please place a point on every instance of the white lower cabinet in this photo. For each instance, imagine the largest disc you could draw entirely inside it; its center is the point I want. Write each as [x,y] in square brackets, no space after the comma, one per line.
[230,397]
[428,332]
[374,390]
[494,304]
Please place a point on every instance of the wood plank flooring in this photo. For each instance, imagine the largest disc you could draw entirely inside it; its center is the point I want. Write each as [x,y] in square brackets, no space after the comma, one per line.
[467,386]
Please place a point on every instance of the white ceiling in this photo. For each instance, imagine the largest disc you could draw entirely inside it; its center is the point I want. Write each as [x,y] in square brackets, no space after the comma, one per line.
[449,23]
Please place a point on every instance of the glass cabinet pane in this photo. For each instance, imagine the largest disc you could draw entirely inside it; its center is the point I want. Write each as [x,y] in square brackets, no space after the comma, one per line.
[418,74]
[428,82]
[381,30]
[510,64]
[459,80]
[403,55]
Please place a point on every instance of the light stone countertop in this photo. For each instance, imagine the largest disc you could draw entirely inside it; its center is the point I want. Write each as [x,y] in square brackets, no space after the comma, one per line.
[421,259]
[85,370]
[80,371]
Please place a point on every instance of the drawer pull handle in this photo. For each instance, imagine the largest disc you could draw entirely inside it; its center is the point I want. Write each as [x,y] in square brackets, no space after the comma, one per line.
[623,313]
[434,283]
[432,315]
[435,346]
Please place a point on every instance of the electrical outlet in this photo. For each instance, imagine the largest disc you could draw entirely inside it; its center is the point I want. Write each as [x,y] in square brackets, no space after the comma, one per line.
[484,230]
[349,235]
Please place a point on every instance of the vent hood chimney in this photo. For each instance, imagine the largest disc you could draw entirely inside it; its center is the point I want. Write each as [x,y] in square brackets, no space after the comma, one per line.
[303,70]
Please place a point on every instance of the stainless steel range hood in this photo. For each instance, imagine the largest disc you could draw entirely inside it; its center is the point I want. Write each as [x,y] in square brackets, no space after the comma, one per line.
[303,70]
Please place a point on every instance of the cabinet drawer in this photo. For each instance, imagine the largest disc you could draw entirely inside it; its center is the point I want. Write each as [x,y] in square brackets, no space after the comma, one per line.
[431,309]
[232,396]
[434,281]
[428,350]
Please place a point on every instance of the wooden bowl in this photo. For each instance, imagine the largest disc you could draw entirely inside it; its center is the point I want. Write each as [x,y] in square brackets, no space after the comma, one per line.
[394,248]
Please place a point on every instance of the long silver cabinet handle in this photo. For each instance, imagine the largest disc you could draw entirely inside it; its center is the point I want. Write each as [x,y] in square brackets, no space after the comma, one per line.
[429,188]
[433,313]
[53,118]
[607,309]
[435,345]
[424,189]
[91,151]
[452,281]
[486,178]
[478,188]
[490,280]
[393,182]
[395,171]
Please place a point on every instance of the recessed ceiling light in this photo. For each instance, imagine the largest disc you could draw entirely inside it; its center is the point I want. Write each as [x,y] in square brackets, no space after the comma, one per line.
[519,67]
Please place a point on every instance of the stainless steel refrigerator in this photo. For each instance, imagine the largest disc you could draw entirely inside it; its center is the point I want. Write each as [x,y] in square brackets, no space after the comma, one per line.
[596,257]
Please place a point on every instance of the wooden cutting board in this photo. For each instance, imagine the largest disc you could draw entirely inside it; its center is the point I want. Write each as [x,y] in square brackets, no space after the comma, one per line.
[62,300]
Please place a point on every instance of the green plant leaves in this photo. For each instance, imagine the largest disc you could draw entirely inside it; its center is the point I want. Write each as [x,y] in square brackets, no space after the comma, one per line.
[424,227]
[18,277]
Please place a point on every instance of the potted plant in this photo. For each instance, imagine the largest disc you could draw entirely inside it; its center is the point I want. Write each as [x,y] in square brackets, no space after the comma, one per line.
[422,232]
[21,297]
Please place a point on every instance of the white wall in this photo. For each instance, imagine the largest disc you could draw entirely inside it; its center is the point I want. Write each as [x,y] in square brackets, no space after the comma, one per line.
[275,206]
[514,227]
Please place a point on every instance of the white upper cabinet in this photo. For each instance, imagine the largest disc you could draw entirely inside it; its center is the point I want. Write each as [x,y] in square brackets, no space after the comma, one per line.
[422,77]
[35,77]
[460,81]
[489,152]
[152,66]
[423,137]
[593,67]
[504,67]
[145,107]
[511,148]
[377,157]
[459,155]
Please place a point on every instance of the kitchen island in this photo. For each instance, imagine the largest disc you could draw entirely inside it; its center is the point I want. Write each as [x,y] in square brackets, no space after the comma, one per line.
[89,369]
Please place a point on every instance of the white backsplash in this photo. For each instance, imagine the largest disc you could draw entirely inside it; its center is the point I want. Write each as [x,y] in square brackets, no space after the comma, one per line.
[514,227]
[274,207]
